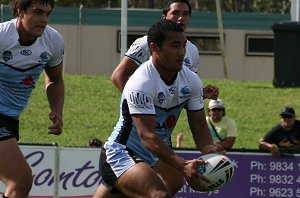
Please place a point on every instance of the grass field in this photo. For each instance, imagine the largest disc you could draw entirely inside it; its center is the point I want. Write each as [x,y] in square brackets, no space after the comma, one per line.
[92,109]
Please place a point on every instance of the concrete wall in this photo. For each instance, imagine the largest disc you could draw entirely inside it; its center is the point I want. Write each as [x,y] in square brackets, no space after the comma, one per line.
[92,50]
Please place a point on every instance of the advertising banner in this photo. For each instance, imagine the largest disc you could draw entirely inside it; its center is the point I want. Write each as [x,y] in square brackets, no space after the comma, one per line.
[42,160]
[256,175]
[73,173]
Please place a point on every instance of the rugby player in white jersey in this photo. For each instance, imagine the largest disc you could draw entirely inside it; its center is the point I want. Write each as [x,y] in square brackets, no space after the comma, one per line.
[136,160]
[180,12]
[28,46]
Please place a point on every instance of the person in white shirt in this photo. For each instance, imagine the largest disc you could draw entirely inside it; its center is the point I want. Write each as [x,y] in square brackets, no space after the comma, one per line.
[137,160]
[28,47]
[223,129]
[139,52]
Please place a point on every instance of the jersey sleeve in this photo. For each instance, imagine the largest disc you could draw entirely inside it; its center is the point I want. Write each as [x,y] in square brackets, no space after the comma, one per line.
[140,96]
[196,100]
[139,51]
[194,55]
[57,47]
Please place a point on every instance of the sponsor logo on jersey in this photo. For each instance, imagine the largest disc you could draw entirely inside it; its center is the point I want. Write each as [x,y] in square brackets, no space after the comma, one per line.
[139,99]
[187,62]
[160,97]
[7,55]
[26,52]
[169,123]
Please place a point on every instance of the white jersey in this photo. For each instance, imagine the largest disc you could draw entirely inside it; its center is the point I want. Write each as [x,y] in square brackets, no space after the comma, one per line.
[21,66]
[139,52]
[146,93]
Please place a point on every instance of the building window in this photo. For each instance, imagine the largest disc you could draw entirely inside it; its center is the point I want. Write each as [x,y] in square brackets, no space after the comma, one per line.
[205,42]
[259,45]
[208,44]
[131,37]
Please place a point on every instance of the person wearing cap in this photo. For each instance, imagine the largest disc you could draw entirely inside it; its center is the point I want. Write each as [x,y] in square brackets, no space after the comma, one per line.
[222,128]
[284,137]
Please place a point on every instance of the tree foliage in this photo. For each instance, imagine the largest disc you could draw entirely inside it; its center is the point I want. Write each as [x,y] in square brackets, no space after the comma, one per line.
[266,6]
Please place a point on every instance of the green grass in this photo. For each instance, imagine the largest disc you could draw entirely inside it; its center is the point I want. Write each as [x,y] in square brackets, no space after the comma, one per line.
[92,109]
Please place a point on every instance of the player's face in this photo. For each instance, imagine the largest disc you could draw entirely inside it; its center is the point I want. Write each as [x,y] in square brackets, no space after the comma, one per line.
[32,22]
[172,52]
[179,12]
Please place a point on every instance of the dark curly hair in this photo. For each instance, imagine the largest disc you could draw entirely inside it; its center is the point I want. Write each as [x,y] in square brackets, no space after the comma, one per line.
[25,4]
[157,32]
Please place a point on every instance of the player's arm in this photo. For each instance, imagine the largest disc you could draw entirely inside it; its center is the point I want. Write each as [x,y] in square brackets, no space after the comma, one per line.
[55,93]
[145,125]
[122,72]
[200,131]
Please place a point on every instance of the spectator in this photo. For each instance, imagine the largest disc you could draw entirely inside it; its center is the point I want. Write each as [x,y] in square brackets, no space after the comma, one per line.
[179,139]
[284,137]
[95,143]
[222,128]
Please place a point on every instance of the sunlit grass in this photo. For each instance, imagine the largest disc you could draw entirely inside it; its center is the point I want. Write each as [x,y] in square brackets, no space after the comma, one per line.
[92,109]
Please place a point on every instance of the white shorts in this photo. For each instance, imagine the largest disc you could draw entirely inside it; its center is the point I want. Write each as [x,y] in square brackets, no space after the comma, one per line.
[115,159]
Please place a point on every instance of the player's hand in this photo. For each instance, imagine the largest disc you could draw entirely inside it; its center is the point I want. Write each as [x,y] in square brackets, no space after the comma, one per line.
[195,180]
[56,128]
[211,92]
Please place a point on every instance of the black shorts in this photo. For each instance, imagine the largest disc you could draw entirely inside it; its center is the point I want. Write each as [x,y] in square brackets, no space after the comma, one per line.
[108,176]
[9,128]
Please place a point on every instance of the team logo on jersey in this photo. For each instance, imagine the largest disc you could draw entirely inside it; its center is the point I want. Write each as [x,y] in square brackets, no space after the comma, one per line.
[170,121]
[160,97]
[185,91]
[172,89]
[139,99]
[26,52]
[44,57]
[7,55]
[187,62]
[28,80]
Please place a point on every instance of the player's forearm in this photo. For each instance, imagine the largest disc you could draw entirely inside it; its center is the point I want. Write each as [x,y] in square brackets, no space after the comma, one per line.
[55,94]
[164,152]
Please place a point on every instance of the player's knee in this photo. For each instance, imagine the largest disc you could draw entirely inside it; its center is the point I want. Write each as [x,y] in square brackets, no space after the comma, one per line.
[21,186]
[160,194]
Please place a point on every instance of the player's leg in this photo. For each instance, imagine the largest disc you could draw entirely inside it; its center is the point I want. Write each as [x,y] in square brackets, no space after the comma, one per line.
[173,179]
[103,192]
[141,181]
[14,170]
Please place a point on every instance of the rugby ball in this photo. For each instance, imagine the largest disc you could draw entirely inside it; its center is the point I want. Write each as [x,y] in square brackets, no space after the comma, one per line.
[219,170]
